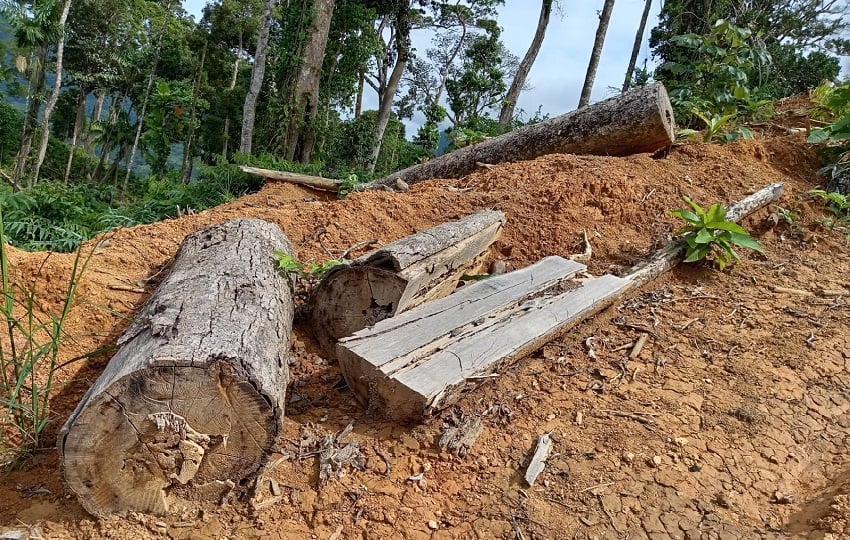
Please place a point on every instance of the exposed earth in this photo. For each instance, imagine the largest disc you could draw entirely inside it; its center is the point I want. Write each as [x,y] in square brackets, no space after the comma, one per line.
[733,422]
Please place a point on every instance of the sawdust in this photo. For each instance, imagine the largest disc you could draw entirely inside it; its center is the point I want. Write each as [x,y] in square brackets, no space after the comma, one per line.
[732,422]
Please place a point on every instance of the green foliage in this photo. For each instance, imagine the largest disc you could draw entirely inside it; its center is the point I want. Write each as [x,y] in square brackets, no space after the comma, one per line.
[348,185]
[289,264]
[793,72]
[167,122]
[835,103]
[708,76]
[708,233]
[839,205]
[29,350]
[10,132]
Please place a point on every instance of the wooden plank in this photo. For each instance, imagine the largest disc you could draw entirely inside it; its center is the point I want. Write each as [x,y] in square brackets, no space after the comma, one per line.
[394,345]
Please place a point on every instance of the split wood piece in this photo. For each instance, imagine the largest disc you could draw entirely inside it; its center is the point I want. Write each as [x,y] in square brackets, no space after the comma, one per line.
[317,182]
[419,361]
[192,403]
[421,267]
[640,120]
[412,365]
[538,461]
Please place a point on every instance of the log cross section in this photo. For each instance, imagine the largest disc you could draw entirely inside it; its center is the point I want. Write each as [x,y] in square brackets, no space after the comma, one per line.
[192,403]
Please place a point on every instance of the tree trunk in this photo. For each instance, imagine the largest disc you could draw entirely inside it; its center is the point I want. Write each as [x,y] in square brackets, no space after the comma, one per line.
[601,31]
[140,120]
[358,104]
[187,146]
[300,136]
[54,94]
[249,110]
[75,136]
[88,143]
[511,98]
[640,120]
[230,88]
[636,47]
[409,366]
[421,267]
[191,405]
[30,118]
[385,108]
[317,182]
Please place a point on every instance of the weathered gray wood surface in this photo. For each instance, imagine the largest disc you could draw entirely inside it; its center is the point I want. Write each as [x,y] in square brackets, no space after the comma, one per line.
[640,120]
[421,361]
[390,366]
[420,267]
[192,403]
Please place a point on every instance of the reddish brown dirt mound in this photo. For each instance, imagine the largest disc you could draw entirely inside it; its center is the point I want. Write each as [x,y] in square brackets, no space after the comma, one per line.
[732,423]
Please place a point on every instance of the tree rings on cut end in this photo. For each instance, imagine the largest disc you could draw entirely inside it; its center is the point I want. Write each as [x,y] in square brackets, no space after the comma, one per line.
[168,433]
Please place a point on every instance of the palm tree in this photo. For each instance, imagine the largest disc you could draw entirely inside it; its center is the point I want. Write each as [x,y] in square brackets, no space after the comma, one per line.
[636,48]
[34,26]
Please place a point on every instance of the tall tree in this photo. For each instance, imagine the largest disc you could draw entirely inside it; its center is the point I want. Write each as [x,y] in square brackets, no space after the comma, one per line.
[636,47]
[511,98]
[601,31]
[300,137]
[54,93]
[249,110]
[141,114]
[397,52]
[34,27]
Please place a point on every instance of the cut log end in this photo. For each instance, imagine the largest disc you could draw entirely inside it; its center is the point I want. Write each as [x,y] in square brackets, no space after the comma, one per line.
[165,434]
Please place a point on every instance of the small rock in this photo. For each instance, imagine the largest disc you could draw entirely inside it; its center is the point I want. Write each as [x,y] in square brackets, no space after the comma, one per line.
[401,185]
[161,524]
[433,525]
[656,461]
[782,498]
[681,441]
[579,418]
[628,457]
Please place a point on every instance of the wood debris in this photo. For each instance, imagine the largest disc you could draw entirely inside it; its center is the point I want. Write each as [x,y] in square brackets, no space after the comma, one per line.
[460,437]
[538,460]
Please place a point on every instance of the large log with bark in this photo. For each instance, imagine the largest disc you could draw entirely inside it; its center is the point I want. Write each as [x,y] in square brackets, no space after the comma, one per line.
[421,361]
[408,272]
[192,403]
[316,182]
[640,120]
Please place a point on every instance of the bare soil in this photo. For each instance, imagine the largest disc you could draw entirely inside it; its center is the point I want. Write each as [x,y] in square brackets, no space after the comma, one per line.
[733,422]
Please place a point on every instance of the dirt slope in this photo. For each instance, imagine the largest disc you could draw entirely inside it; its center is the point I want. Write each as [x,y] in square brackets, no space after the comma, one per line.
[732,423]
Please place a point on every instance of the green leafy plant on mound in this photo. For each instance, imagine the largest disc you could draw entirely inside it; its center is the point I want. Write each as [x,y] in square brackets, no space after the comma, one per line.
[29,355]
[708,233]
[839,205]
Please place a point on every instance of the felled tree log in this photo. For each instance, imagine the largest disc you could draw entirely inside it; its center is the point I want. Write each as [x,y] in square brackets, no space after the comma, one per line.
[192,403]
[409,366]
[317,182]
[420,267]
[640,120]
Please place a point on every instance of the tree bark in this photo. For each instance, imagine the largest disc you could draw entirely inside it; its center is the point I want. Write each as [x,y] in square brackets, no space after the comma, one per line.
[636,47]
[185,169]
[192,404]
[421,267]
[601,31]
[640,120]
[358,103]
[511,98]
[423,360]
[54,93]
[300,137]
[249,110]
[384,110]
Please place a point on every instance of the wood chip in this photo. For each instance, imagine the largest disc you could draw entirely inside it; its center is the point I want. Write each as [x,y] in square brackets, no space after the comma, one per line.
[538,461]
[638,346]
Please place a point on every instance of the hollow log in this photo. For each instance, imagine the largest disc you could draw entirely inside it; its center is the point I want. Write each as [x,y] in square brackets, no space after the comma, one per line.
[640,120]
[192,403]
[409,366]
[420,267]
